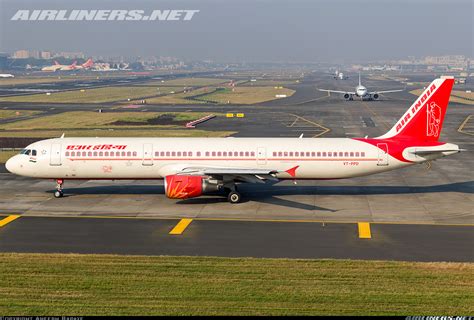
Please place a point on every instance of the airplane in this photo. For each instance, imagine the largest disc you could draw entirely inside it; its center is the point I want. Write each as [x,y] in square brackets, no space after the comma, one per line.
[361,92]
[340,76]
[191,167]
[55,67]
[61,67]
[6,75]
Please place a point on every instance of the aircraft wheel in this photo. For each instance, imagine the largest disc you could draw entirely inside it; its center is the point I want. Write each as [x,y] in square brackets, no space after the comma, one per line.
[234,197]
[58,194]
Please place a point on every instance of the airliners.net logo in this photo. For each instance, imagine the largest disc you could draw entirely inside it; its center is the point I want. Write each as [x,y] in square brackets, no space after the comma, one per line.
[103,15]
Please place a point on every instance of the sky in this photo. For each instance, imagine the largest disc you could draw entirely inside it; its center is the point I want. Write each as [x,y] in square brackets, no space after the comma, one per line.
[253,30]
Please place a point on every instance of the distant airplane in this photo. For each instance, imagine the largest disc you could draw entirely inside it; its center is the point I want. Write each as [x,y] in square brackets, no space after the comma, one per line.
[191,167]
[62,67]
[361,92]
[340,76]
[6,75]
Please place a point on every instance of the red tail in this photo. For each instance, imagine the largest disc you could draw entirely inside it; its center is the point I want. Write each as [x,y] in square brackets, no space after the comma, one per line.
[424,119]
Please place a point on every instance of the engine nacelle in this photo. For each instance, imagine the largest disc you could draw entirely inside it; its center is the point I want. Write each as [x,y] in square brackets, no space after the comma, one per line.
[347,96]
[187,186]
[375,96]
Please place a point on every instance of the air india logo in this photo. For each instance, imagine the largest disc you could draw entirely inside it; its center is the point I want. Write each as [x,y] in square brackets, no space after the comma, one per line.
[433,120]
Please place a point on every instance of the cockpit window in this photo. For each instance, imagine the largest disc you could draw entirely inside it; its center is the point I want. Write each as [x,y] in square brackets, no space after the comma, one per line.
[28,152]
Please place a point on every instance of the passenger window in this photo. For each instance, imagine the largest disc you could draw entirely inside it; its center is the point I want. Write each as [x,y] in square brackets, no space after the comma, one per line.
[123,153]
[241,153]
[297,154]
[207,153]
[346,154]
[352,154]
[173,153]
[178,153]
[129,154]
[67,153]
[357,154]
[89,154]
[224,154]
[95,153]
[106,153]
[213,153]
[340,154]
[219,154]
[362,154]
[319,154]
[167,153]
[246,153]
[324,154]
[101,154]
[280,154]
[134,153]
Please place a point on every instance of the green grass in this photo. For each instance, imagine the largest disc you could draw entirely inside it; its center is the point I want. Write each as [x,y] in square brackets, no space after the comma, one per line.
[89,119]
[8,114]
[188,82]
[180,98]
[98,95]
[140,285]
[245,95]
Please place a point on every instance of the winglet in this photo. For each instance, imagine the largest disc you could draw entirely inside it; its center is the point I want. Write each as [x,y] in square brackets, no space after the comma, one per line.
[62,136]
[292,171]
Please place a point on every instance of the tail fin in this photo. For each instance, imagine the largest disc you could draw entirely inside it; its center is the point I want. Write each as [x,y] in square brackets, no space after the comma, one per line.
[359,78]
[424,119]
[88,63]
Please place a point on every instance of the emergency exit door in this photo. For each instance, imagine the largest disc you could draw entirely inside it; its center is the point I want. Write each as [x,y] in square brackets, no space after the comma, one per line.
[147,154]
[383,154]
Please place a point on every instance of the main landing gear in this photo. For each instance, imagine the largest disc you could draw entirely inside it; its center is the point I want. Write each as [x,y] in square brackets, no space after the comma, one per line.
[59,188]
[233,196]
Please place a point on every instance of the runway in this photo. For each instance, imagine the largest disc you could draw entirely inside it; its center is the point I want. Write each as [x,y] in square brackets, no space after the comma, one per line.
[267,239]
[418,213]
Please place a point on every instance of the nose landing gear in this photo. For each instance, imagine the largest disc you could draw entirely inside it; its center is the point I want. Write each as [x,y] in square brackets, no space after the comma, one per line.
[59,188]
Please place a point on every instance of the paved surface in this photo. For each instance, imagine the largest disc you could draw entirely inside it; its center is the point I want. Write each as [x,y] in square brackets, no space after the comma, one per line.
[442,194]
[432,208]
[237,239]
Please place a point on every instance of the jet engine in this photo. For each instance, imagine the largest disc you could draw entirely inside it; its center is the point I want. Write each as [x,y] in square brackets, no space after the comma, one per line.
[187,186]
[347,96]
[375,96]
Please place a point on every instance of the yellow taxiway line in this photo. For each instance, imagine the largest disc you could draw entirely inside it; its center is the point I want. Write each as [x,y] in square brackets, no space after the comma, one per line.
[364,230]
[8,219]
[181,226]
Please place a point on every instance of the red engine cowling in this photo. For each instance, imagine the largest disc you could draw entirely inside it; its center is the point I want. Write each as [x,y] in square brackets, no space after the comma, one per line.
[183,187]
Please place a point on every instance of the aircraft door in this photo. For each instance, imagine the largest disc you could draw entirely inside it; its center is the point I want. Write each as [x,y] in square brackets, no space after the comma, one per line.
[55,156]
[382,159]
[147,154]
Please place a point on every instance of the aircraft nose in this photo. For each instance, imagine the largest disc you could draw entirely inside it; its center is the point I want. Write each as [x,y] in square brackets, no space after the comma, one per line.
[12,165]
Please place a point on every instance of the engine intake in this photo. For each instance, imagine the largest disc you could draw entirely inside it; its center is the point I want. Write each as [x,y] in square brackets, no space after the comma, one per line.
[375,96]
[347,96]
[187,186]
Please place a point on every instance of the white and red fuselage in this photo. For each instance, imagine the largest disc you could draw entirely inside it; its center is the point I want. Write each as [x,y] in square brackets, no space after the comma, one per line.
[180,161]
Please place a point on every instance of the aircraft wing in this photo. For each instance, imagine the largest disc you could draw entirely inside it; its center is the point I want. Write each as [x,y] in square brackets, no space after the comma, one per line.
[336,91]
[236,174]
[386,91]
